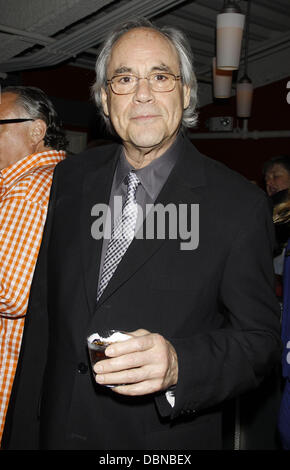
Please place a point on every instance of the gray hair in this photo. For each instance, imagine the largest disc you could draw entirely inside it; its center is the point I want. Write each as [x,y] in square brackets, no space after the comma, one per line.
[179,41]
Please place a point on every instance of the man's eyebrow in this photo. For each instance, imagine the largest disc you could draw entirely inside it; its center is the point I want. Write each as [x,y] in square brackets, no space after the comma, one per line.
[122,69]
[155,68]
[162,68]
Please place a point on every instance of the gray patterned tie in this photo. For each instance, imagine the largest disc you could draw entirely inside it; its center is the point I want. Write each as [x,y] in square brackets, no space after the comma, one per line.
[122,234]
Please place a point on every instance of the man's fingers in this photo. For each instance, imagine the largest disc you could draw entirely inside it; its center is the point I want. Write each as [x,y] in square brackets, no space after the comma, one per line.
[140,332]
[129,376]
[144,364]
[138,389]
[138,342]
[119,363]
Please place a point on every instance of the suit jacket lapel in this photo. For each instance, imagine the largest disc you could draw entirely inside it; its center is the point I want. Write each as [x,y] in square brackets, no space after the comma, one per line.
[96,190]
[182,187]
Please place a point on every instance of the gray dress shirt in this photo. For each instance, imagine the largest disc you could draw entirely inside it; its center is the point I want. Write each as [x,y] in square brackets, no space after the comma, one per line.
[152,177]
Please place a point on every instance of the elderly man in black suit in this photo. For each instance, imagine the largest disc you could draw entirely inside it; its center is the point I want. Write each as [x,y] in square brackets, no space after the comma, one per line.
[200,309]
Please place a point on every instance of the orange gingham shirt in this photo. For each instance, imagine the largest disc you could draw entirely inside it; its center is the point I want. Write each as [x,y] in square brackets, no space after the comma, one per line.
[24,195]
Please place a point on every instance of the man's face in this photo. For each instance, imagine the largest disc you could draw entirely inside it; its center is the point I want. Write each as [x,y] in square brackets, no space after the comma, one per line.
[277,178]
[15,141]
[145,119]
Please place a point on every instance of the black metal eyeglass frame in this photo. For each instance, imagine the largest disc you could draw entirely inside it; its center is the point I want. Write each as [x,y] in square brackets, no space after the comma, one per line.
[10,121]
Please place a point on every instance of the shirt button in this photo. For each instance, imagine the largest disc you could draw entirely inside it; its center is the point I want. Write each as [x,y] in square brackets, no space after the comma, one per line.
[82,368]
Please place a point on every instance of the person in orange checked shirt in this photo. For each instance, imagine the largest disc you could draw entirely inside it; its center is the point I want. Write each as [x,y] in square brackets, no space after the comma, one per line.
[31,144]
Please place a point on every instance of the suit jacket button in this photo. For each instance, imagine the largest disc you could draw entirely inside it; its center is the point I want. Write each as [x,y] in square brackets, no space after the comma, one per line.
[82,368]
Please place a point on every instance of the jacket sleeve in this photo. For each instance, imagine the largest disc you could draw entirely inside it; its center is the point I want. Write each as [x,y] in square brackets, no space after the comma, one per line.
[217,365]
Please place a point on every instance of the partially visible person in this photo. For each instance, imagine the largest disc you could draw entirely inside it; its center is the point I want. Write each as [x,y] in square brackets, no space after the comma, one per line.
[281,233]
[282,216]
[31,144]
[276,174]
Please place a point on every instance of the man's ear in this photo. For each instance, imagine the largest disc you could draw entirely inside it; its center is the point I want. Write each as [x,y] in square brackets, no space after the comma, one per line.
[37,131]
[104,97]
[186,96]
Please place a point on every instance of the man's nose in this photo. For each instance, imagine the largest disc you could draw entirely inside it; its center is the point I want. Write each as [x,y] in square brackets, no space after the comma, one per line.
[143,91]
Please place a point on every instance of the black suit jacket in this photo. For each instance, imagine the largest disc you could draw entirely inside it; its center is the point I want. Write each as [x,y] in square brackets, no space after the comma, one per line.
[215,304]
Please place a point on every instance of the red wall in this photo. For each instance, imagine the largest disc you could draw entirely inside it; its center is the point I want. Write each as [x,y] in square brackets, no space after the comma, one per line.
[66,81]
[270,111]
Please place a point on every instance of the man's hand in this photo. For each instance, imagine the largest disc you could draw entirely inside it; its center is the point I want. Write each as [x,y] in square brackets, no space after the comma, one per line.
[146,363]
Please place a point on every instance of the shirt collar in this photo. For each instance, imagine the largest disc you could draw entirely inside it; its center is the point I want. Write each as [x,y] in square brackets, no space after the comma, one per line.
[154,175]
[13,172]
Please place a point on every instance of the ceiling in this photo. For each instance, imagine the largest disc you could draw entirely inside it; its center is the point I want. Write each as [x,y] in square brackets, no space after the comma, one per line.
[40,33]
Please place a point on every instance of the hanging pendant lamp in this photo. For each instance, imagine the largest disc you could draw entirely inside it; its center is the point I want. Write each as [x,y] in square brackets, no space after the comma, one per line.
[230,25]
[244,97]
[245,88]
[222,81]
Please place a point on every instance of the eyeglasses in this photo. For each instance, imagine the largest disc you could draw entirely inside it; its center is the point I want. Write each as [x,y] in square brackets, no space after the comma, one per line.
[10,121]
[126,84]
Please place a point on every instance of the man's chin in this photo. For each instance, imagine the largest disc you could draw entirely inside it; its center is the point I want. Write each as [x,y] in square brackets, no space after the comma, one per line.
[148,141]
[272,192]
